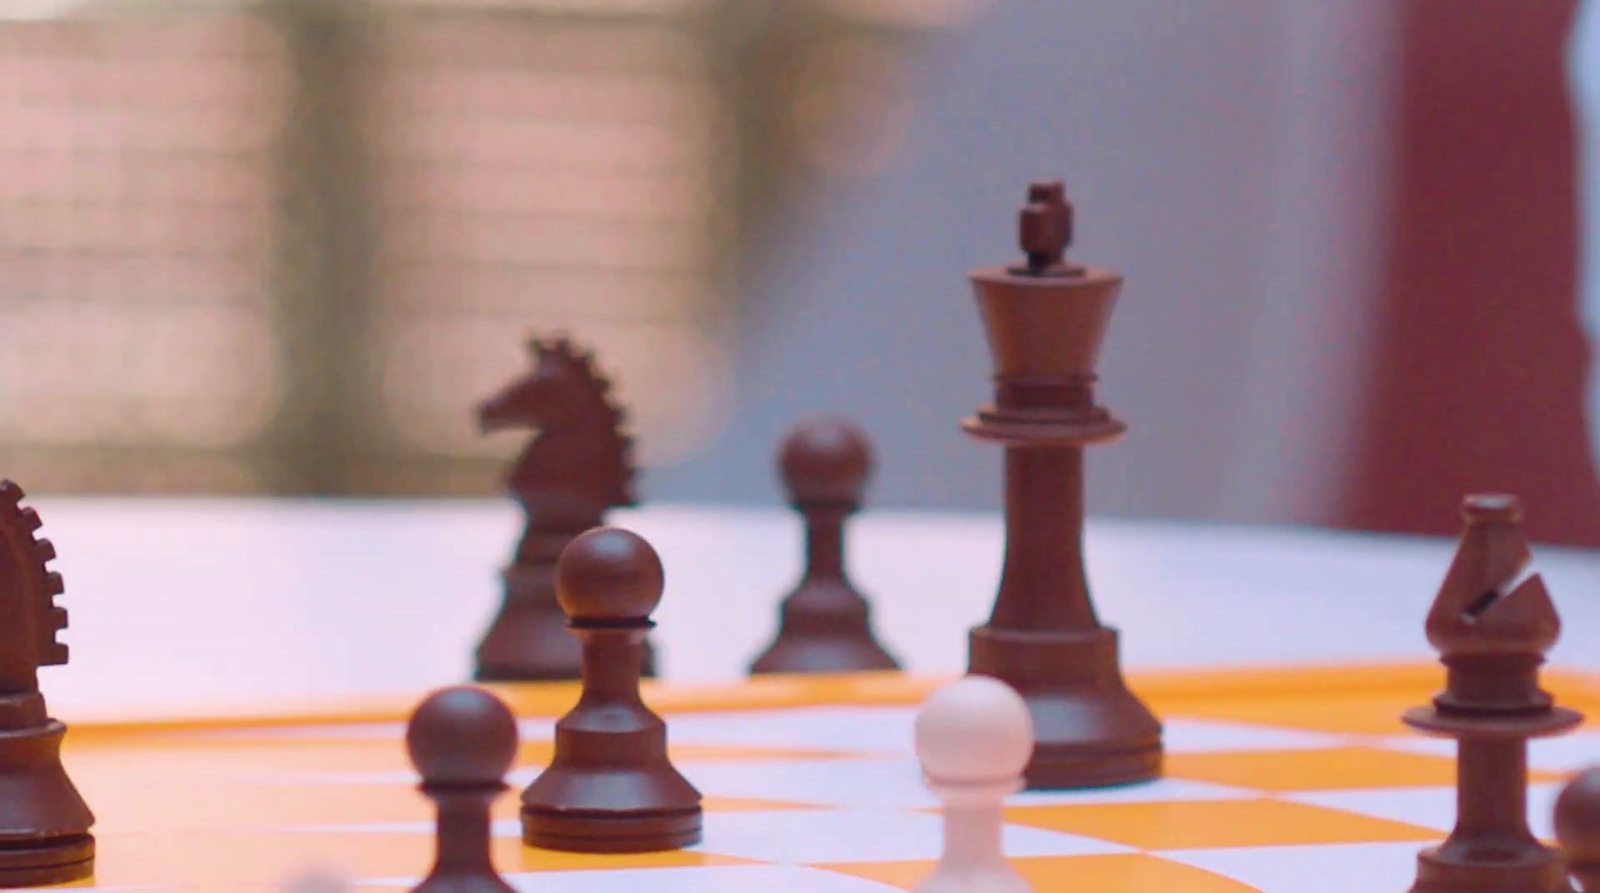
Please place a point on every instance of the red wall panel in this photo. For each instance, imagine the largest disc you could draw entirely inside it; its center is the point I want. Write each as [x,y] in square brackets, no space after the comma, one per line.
[1477,381]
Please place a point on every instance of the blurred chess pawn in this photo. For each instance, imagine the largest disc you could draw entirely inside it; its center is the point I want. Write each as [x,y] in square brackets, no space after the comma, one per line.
[825,624]
[1578,829]
[973,738]
[462,741]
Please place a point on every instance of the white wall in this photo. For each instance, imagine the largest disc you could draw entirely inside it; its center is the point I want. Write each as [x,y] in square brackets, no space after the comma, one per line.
[1228,157]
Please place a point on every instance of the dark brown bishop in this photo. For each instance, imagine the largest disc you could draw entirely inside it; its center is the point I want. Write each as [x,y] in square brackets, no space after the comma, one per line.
[610,787]
[1492,622]
[44,822]
[578,466]
[824,623]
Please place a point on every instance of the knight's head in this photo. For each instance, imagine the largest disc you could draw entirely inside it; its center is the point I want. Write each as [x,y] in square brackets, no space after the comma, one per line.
[561,390]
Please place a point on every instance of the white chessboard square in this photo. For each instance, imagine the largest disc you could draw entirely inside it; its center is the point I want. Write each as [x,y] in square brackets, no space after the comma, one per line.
[1564,753]
[898,784]
[711,879]
[877,730]
[867,835]
[1428,807]
[1181,735]
[1312,868]
[884,783]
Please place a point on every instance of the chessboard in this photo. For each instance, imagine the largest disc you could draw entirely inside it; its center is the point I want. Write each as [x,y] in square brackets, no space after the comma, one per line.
[1290,780]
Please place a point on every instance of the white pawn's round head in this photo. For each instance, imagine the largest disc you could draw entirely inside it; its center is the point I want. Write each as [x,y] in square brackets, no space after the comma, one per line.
[975,730]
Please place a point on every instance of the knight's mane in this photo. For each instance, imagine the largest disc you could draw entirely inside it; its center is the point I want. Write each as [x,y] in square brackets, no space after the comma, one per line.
[581,363]
[33,583]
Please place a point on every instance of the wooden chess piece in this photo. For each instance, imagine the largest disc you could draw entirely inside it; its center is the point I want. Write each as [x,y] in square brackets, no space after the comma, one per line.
[1045,321]
[610,787]
[1492,623]
[462,741]
[578,466]
[1577,817]
[973,740]
[44,822]
[825,625]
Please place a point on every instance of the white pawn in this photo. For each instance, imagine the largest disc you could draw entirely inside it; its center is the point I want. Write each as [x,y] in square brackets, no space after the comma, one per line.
[974,738]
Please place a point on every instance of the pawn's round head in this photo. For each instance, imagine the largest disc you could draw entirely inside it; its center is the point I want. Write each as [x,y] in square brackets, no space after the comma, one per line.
[1578,817]
[462,736]
[974,730]
[825,459]
[609,575]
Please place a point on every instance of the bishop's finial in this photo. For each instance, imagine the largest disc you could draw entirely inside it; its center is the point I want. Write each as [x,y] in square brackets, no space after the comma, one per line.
[1045,231]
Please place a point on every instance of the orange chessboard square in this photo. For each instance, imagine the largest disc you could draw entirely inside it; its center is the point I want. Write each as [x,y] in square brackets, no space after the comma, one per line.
[1193,824]
[1314,770]
[1364,713]
[1070,874]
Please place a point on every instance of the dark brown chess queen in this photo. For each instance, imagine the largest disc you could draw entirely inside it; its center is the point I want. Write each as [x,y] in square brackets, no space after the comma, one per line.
[1045,321]
[578,466]
[44,823]
[1492,623]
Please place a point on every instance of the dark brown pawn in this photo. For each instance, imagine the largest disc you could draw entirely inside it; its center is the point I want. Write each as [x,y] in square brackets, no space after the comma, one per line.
[463,741]
[1578,829]
[44,822]
[610,787]
[825,626]
[1492,623]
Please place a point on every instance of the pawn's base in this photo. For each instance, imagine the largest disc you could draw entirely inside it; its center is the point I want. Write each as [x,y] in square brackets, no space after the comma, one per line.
[833,653]
[1075,765]
[1090,731]
[611,832]
[1531,868]
[40,863]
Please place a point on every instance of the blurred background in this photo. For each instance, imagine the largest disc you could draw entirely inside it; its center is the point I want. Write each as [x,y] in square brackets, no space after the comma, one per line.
[285,247]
